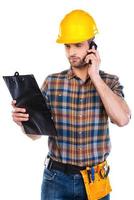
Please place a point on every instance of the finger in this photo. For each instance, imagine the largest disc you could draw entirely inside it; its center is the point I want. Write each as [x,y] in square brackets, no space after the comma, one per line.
[20,115]
[16,109]
[95,53]
[19,119]
[91,51]
[90,57]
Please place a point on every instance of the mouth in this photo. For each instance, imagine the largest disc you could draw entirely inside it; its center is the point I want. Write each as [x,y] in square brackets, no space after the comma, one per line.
[74,59]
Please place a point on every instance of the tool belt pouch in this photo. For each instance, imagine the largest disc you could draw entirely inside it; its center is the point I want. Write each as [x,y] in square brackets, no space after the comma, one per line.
[98,188]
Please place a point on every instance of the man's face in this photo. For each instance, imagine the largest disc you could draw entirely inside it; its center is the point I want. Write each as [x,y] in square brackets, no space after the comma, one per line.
[76,53]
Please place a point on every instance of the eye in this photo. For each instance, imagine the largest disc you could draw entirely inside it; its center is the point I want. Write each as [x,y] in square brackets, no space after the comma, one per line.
[79,45]
[67,46]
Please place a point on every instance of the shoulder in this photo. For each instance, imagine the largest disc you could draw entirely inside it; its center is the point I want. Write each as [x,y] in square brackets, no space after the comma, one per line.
[108,78]
[52,78]
[59,75]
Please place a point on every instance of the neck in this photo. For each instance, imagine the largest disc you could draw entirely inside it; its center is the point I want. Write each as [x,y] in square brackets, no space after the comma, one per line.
[82,72]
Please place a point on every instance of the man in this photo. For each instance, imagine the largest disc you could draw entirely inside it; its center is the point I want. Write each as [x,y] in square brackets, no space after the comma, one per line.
[80,99]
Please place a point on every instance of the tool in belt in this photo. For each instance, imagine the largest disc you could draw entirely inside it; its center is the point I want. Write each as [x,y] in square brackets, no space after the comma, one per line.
[95,178]
[96,181]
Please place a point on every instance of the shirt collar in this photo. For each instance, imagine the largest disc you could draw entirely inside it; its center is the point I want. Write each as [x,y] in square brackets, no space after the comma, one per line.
[71,74]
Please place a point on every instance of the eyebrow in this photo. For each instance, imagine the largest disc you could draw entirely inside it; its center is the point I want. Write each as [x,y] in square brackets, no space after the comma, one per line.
[74,43]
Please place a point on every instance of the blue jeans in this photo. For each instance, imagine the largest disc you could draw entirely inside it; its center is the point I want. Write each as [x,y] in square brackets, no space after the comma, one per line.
[57,185]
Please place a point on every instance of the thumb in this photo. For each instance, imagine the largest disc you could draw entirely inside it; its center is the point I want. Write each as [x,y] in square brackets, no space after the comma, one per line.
[13,103]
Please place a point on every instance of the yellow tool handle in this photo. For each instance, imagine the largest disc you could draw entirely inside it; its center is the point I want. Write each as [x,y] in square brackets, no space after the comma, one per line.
[86,182]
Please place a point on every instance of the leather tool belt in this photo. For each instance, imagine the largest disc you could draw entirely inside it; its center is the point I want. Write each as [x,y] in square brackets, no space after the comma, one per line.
[96,180]
[66,168]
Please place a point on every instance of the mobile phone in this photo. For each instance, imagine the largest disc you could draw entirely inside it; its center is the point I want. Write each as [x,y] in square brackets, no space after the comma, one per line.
[92,44]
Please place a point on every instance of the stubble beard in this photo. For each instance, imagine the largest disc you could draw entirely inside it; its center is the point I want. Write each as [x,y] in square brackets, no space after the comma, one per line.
[78,64]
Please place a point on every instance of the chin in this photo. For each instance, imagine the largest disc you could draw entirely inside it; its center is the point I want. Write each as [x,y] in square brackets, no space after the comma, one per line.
[80,66]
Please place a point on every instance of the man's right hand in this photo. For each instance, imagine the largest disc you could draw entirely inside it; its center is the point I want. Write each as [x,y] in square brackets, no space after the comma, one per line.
[19,114]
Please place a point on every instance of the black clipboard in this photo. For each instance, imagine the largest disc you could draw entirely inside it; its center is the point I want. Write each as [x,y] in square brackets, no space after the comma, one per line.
[25,90]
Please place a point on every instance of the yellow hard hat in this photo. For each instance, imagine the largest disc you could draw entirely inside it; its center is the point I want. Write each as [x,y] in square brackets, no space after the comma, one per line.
[77,26]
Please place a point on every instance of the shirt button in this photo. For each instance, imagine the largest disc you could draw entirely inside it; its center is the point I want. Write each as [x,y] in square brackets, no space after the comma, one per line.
[81,163]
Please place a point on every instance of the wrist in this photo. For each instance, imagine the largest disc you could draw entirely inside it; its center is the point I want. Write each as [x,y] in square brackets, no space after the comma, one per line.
[95,77]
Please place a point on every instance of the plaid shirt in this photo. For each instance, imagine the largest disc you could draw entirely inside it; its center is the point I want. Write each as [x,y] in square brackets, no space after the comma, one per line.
[80,118]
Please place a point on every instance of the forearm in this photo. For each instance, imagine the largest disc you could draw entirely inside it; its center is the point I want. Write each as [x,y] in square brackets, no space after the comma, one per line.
[115,106]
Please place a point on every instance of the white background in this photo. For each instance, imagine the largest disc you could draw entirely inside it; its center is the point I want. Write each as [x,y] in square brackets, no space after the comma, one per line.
[28,30]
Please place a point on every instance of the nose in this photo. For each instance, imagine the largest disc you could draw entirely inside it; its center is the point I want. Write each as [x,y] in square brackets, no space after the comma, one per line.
[72,51]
